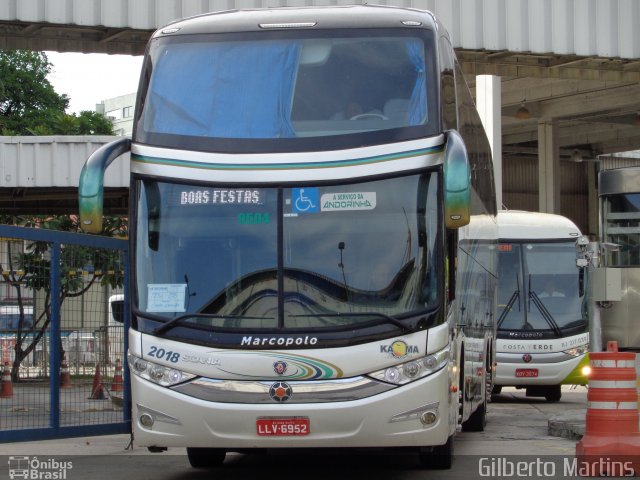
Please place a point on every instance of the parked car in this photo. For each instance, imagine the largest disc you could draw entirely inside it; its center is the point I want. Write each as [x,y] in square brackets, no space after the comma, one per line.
[80,347]
[115,328]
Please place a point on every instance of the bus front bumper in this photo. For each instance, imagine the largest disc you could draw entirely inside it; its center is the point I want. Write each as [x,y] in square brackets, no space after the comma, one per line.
[568,372]
[389,419]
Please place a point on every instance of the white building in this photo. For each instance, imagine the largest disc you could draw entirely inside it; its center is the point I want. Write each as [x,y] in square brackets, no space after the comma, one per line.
[120,111]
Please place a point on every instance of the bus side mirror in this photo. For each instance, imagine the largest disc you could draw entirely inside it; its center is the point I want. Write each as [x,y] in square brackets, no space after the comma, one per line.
[91,187]
[457,182]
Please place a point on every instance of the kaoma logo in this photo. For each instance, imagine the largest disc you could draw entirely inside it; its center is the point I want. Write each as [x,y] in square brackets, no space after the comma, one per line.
[399,349]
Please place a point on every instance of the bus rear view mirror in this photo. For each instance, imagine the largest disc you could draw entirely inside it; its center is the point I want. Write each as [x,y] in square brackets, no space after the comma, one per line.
[457,182]
[91,187]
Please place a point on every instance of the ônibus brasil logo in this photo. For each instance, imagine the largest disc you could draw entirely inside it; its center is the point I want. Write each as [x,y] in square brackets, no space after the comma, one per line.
[34,469]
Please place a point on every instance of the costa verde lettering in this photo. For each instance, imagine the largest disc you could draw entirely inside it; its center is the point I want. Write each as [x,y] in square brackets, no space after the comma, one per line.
[534,346]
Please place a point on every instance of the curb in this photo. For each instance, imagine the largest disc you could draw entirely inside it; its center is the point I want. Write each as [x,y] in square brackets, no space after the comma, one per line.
[568,425]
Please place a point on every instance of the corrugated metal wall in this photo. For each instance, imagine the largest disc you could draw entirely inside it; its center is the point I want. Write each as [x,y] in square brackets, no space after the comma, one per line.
[609,162]
[607,28]
[574,194]
[54,161]
[520,188]
[57,161]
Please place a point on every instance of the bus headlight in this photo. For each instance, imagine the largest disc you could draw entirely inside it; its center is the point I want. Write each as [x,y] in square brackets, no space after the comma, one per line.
[165,376]
[577,351]
[413,369]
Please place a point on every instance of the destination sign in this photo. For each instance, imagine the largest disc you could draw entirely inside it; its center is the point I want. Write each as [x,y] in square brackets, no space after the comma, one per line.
[217,196]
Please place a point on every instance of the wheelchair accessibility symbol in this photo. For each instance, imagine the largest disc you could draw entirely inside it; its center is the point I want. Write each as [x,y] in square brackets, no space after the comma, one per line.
[305,200]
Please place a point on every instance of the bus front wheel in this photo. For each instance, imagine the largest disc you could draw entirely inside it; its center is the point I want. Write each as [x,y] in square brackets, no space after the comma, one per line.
[205,457]
[553,394]
[439,457]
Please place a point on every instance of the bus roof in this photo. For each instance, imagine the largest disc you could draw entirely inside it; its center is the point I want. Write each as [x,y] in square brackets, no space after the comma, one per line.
[520,225]
[360,16]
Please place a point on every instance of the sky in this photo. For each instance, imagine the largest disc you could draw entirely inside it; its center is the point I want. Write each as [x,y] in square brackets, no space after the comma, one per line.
[88,79]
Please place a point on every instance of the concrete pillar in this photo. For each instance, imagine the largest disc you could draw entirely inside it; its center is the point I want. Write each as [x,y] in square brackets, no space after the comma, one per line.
[488,103]
[593,223]
[548,169]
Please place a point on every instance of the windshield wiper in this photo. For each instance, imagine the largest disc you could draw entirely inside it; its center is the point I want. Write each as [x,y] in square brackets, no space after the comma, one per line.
[574,324]
[389,319]
[545,313]
[174,322]
[514,296]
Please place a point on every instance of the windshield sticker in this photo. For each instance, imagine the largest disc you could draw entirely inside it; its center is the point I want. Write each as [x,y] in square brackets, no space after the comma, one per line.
[305,200]
[166,297]
[333,202]
[210,196]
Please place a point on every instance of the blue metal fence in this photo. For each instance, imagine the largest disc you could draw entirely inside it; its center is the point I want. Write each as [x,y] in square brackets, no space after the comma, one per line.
[74,379]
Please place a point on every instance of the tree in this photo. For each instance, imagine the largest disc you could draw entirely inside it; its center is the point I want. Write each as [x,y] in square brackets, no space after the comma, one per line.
[31,267]
[29,105]
[93,123]
[27,98]
[86,123]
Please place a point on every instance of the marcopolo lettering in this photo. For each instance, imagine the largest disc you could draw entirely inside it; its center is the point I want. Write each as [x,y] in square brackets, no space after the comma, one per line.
[525,334]
[278,341]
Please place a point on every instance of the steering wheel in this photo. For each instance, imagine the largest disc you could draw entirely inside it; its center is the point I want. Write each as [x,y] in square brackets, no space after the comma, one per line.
[364,116]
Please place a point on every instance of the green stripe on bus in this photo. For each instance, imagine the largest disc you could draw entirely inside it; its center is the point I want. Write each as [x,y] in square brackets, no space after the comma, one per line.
[287,166]
[576,377]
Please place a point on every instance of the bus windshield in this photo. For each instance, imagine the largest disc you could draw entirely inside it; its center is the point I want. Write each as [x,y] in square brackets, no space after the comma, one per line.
[540,288]
[306,257]
[277,90]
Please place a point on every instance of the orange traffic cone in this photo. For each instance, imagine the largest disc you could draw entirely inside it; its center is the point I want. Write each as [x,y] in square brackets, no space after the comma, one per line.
[611,443]
[116,383]
[7,386]
[97,390]
[65,376]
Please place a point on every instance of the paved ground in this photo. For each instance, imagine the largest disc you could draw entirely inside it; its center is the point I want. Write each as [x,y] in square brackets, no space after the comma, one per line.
[518,428]
[513,417]
[519,425]
[29,407]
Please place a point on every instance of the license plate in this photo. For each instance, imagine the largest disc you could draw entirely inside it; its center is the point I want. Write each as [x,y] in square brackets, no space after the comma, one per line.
[526,372]
[289,426]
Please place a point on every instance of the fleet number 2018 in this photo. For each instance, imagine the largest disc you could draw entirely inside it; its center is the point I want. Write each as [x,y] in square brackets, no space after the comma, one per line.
[168,355]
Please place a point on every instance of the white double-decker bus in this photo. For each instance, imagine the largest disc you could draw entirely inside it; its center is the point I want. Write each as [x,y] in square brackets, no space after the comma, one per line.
[543,328]
[301,181]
